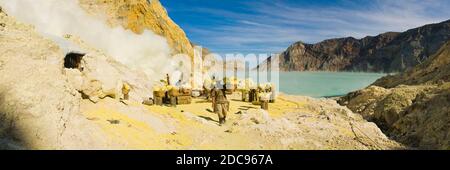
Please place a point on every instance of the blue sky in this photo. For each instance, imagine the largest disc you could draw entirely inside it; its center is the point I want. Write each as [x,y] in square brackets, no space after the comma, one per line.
[270,26]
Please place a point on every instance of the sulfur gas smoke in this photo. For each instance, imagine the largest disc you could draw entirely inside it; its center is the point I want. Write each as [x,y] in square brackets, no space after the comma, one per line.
[147,52]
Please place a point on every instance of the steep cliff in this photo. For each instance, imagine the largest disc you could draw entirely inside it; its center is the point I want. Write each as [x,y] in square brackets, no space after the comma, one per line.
[388,52]
[433,71]
[138,15]
[412,107]
[39,109]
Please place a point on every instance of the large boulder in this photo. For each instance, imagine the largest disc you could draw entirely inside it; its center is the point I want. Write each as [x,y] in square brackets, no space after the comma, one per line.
[364,101]
[380,105]
[101,76]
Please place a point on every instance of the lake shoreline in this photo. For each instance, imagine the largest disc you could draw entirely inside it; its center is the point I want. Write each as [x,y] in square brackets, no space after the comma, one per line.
[325,84]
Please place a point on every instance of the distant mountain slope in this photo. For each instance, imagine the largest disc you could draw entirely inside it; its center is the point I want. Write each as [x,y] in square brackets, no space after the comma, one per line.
[388,52]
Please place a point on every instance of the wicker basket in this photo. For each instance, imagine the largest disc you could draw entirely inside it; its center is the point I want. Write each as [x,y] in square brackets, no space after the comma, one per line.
[174,92]
[184,100]
[159,93]
[265,105]
[186,91]
[245,97]
[158,101]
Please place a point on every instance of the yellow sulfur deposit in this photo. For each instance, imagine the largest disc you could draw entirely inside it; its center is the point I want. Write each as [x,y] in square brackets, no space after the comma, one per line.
[195,125]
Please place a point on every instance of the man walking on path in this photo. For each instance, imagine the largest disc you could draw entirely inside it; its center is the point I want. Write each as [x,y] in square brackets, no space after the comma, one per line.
[220,104]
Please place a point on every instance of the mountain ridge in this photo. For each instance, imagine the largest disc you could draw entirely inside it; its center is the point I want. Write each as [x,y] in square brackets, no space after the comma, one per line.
[386,52]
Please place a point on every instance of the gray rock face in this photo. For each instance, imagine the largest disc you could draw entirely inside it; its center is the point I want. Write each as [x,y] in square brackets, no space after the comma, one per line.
[388,52]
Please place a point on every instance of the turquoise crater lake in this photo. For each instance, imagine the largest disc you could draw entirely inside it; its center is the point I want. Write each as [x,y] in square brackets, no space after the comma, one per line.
[315,84]
[324,84]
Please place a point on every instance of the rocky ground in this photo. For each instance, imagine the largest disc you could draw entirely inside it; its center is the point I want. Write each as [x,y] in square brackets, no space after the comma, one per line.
[412,107]
[291,123]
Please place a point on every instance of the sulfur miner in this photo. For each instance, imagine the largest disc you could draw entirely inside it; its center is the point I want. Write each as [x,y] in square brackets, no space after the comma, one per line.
[220,104]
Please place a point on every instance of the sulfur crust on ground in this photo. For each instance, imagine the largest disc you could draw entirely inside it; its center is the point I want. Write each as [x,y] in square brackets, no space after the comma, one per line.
[136,134]
[194,126]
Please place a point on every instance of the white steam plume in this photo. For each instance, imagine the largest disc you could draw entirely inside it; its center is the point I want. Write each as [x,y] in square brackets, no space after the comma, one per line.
[147,51]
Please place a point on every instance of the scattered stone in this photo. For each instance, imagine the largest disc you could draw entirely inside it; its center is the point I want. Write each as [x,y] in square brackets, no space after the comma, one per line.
[114,121]
[93,118]
[148,102]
